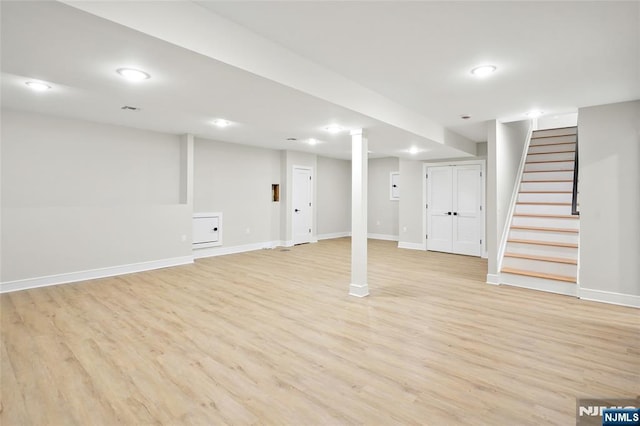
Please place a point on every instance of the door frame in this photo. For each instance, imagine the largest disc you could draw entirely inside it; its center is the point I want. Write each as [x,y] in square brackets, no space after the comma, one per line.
[312,237]
[483,197]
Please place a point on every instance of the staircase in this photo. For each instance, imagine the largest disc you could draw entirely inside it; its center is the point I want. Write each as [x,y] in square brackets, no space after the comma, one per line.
[542,245]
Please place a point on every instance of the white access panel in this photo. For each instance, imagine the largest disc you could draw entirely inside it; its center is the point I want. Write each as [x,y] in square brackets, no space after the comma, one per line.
[394,182]
[207,230]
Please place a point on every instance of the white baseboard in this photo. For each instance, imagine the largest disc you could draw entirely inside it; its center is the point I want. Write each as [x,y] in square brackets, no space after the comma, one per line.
[411,246]
[609,297]
[493,279]
[334,235]
[222,251]
[382,237]
[358,290]
[543,284]
[92,274]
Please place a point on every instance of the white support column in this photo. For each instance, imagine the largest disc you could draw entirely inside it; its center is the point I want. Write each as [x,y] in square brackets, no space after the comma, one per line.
[359,177]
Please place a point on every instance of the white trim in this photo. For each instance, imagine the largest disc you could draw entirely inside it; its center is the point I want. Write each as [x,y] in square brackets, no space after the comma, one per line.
[493,279]
[222,251]
[92,274]
[334,235]
[358,290]
[514,197]
[483,188]
[382,237]
[410,246]
[630,300]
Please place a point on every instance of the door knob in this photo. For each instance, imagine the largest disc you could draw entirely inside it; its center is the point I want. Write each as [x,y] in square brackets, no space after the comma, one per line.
[449,213]
[455,213]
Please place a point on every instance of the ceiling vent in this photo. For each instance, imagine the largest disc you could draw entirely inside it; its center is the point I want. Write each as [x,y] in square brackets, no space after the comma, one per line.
[130,108]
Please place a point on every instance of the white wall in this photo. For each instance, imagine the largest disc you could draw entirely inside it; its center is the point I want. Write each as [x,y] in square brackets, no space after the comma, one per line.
[505,147]
[77,196]
[382,212]
[609,182]
[410,204]
[334,197]
[236,180]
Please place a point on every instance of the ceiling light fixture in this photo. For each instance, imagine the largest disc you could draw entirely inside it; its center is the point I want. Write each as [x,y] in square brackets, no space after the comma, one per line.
[312,141]
[483,70]
[133,74]
[534,113]
[38,86]
[221,122]
[334,128]
[413,150]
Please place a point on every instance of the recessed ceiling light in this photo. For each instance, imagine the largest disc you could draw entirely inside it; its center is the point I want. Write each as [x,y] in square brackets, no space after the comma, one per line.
[413,150]
[312,141]
[38,86]
[483,70]
[334,128]
[220,122]
[534,114]
[133,74]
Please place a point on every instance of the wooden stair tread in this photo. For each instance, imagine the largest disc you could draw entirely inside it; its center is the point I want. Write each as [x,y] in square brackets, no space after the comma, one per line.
[547,180]
[542,203]
[542,258]
[546,192]
[539,275]
[552,144]
[549,161]
[543,243]
[539,228]
[554,152]
[548,171]
[551,216]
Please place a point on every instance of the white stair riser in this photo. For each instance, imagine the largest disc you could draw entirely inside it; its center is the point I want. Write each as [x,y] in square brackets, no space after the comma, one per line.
[545,197]
[559,237]
[545,222]
[552,132]
[539,250]
[542,209]
[540,266]
[534,149]
[564,165]
[546,186]
[552,156]
[549,176]
[552,286]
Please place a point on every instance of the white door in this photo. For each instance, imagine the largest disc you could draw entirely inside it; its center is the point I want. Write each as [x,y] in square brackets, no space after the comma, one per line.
[301,204]
[454,218]
[439,208]
[467,217]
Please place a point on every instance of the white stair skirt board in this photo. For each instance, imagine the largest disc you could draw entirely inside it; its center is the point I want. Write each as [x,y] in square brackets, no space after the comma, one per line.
[334,235]
[382,237]
[547,186]
[358,290]
[93,274]
[549,175]
[554,132]
[560,237]
[565,146]
[540,266]
[609,297]
[542,250]
[543,209]
[411,246]
[543,284]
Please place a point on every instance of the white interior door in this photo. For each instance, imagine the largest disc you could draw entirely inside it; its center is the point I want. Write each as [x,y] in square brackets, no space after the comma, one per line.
[467,217]
[439,208]
[301,203]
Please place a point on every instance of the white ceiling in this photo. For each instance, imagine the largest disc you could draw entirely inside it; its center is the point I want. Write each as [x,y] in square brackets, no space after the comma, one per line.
[554,56]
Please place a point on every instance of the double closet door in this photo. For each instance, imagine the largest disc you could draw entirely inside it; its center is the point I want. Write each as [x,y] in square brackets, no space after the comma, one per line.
[454,209]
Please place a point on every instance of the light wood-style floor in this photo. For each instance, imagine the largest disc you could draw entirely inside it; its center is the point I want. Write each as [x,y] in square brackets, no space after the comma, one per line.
[271,337]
